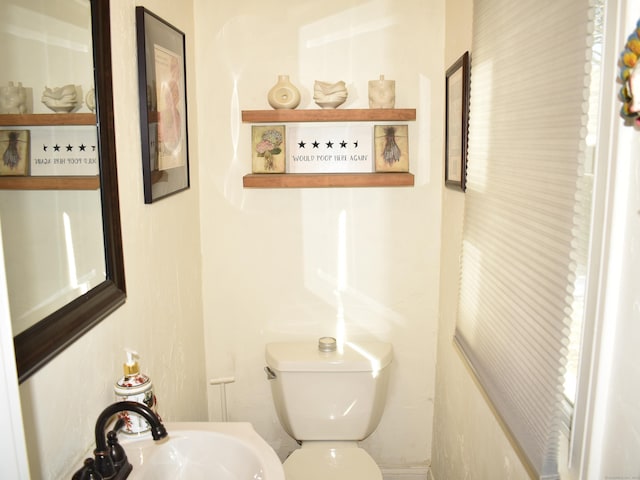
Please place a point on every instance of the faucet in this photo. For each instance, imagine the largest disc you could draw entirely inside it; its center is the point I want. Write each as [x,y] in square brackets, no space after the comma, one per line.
[110,462]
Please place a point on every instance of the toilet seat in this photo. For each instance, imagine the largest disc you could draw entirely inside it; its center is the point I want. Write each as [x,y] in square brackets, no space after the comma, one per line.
[331,462]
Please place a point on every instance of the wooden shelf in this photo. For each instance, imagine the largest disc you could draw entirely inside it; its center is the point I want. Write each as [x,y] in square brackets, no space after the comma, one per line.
[330,115]
[320,180]
[323,180]
[47,119]
[50,183]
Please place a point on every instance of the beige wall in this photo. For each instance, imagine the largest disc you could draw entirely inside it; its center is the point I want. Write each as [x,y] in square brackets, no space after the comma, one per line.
[271,257]
[266,260]
[467,441]
[162,317]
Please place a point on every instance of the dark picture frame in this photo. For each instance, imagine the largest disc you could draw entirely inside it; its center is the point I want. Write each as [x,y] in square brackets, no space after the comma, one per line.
[15,152]
[163,106]
[457,123]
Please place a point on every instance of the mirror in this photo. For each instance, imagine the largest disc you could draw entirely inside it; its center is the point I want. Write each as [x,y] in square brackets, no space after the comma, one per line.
[41,340]
[52,235]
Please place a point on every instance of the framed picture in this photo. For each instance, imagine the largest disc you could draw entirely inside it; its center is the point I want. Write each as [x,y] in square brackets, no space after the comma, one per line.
[391,148]
[457,123]
[14,148]
[163,106]
[268,153]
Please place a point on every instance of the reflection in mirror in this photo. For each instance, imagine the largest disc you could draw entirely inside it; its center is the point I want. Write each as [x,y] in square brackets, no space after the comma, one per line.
[53,238]
[60,213]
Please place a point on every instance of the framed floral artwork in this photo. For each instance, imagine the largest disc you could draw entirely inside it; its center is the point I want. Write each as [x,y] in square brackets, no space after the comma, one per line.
[268,152]
[163,106]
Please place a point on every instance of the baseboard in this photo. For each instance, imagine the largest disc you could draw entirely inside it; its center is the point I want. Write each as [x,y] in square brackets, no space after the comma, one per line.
[412,472]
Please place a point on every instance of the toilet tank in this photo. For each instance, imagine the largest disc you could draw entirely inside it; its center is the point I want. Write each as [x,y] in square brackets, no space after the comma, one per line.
[338,395]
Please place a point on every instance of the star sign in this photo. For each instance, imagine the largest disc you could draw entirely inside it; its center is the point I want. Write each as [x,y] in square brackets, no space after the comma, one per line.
[343,144]
[315,144]
[44,148]
[69,148]
[82,147]
[329,144]
[355,144]
[301,144]
[56,147]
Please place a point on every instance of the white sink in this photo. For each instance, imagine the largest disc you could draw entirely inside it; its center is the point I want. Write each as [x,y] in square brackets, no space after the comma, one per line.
[203,450]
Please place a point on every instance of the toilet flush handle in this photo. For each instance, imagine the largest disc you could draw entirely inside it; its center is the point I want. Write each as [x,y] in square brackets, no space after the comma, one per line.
[327,344]
[271,375]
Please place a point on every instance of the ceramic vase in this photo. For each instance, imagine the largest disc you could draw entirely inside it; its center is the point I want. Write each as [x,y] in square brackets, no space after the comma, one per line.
[284,94]
[13,98]
[329,95]
[382,93]
[62,99]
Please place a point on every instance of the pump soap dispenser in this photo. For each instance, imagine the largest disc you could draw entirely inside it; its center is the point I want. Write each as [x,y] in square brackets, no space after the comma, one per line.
[136,387]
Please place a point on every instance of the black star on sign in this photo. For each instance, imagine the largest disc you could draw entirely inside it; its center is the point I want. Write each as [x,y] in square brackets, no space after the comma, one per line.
[329,144]
[69,148]
[315,144]
[301,144]
[82,147]
[343,144]
[56,147]
[44,148]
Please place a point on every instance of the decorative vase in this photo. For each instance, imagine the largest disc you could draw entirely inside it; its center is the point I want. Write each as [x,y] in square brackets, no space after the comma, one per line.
[62,99]
[329,95]
[90,100]
[283,95]
[382,93]
[13,98]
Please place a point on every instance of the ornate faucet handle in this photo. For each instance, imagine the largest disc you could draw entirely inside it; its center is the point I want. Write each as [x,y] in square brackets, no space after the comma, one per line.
[87,472]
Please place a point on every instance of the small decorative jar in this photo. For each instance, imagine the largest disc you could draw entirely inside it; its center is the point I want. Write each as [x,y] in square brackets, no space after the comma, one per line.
[13,98]
[382,93]
[90,100]
[284,95]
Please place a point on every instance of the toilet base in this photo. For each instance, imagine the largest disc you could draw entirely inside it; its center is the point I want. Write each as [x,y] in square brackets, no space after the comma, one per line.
[331,461]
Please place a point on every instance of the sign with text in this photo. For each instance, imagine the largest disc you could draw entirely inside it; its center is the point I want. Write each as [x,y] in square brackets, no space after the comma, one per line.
[64,151]
[329,149]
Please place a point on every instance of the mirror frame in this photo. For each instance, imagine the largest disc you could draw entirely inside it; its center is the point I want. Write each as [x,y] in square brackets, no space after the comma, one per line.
[43,341]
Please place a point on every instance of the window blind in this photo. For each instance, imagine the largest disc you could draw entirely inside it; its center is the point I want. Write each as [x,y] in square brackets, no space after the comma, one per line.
[527,129]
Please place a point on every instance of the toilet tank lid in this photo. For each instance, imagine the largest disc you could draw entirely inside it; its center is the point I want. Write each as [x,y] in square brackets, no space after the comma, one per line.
[305,357]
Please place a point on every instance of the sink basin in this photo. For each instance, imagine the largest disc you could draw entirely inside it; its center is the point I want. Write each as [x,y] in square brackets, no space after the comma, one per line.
[203,450]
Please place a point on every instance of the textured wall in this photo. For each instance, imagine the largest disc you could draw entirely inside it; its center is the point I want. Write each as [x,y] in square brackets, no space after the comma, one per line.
[303,263]
[162,317]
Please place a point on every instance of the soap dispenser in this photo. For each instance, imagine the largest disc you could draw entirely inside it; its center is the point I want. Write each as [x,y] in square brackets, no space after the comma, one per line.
[136,387]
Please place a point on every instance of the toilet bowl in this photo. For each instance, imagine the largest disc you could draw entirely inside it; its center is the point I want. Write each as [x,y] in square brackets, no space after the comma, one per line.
[328,460]
[329,397]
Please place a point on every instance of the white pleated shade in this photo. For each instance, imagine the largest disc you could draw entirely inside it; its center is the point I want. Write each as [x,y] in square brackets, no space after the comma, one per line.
[528,118]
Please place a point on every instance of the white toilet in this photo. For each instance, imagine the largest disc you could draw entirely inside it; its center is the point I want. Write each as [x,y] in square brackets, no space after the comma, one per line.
[329,397]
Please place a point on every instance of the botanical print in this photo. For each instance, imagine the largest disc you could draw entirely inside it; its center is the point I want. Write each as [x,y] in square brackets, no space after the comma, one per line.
[14,148]
[268,155]
[171,109]
[454,127]
[391,148]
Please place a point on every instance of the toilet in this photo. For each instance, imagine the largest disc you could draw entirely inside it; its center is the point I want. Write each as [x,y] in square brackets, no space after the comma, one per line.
[329,397]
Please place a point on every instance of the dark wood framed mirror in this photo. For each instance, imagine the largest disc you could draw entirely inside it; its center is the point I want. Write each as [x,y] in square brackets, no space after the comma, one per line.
[44,340]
